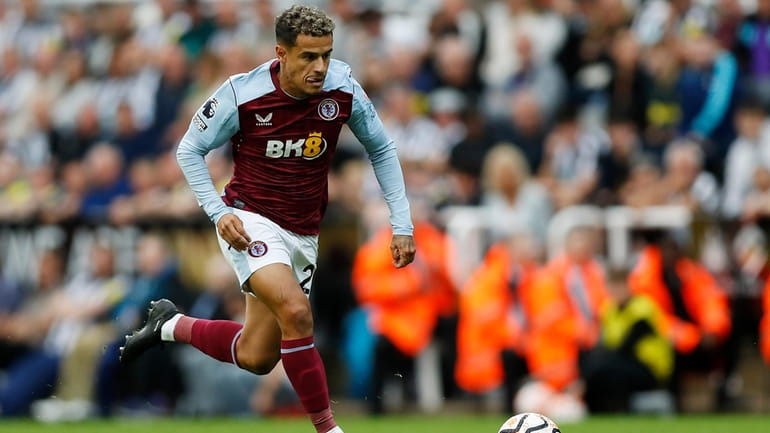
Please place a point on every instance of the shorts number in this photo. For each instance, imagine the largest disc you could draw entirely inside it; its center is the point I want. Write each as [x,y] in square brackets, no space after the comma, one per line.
[305,284]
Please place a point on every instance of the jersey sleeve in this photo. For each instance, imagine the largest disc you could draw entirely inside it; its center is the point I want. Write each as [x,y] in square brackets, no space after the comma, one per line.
[211,126]
[367,127]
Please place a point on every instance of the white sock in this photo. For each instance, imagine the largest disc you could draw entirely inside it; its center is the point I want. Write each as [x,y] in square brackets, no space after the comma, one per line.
[167,329]
[336,430]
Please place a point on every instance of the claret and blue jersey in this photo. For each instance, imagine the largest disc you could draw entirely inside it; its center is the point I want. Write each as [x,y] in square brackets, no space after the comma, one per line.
[283,147]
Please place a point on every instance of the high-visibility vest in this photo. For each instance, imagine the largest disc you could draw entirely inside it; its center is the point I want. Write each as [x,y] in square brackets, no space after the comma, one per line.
[705,302]
[404,303]
[652,348]
[570,299]
[493,315]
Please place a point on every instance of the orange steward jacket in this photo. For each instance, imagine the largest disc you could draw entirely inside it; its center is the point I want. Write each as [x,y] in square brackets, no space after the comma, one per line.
[571,297]
[495,307]
[704,301]
[405,303]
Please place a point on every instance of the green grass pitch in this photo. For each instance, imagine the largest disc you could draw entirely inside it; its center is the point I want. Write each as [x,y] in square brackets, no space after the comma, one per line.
[400,424]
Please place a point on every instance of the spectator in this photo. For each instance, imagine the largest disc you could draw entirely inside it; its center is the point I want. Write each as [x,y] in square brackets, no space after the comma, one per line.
[572,290]
[175,81]
[643,185]
[465,162]
[404,306]
[509,190]
[632,347]
[65,326]
[79,333]
[629,88]
[686,183]
[569,167]
[729,15]
[201,27]
[232,28]
[69,145]
[707,95]
[9,20]
[63,204]
[75,30]
[18,85]
[422,150]
[447,106]
[130,80]
[148,198]
[584,55]
[17,202]
[750,150]
[157,276]
[507,20]
[132,142]
[616,165]
[451,64]
[29,117]
[525,126]
[497,310]
[756,207]
[345,14]
[696,312]
[458,18]
[67,110]
[160,23]
[659,20]
[34,30]
[663,113]
[539,76]
[752,43]
[106,181]
[30,369]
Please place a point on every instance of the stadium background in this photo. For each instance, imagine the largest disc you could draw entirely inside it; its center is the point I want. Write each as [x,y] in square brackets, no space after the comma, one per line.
[615,114]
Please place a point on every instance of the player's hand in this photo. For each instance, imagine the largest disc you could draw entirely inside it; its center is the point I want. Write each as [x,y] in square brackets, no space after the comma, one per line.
[230,227]
[402,249]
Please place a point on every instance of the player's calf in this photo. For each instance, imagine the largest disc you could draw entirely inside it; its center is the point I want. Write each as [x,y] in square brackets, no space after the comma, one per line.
[255,361]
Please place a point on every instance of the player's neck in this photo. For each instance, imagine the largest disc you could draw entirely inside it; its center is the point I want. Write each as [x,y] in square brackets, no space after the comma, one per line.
[282,80]
[290,95]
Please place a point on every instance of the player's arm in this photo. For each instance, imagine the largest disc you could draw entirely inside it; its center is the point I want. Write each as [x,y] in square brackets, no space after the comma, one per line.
[212,126]
[367,127]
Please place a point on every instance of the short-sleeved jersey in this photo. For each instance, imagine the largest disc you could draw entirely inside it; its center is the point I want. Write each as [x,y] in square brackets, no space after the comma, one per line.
[283,147]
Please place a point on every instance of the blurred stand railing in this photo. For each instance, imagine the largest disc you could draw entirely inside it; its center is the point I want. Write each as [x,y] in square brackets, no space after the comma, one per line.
[474,229]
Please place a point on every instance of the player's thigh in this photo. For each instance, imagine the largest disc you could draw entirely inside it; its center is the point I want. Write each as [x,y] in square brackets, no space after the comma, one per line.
[277,287]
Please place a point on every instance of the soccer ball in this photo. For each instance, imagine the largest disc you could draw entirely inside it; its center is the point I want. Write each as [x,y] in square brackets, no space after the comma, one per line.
[529,422]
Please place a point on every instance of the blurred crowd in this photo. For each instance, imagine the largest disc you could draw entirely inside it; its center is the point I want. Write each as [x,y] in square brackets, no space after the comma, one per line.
[518,109]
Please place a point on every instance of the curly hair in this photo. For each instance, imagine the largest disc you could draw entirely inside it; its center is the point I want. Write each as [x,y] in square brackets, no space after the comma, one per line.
[305,20]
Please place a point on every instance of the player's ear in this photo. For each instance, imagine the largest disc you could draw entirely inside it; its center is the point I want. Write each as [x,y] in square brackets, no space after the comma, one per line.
[280,52]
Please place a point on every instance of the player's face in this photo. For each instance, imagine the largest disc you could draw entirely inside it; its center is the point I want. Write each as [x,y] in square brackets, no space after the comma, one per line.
[304,65]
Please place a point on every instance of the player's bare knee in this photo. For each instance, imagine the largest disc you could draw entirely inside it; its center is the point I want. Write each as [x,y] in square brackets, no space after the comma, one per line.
[297,317]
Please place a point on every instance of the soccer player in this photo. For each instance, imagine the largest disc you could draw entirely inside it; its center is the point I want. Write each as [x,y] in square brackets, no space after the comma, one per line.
[283,120]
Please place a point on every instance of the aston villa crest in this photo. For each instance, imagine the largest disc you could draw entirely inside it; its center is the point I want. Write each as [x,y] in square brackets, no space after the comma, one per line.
[257,249]
[328,109]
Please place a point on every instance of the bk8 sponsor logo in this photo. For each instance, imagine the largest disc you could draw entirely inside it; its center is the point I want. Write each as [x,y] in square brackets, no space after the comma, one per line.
[306,148]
